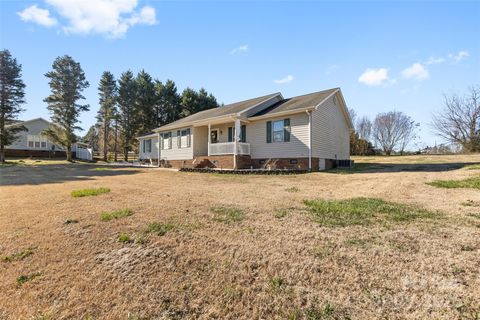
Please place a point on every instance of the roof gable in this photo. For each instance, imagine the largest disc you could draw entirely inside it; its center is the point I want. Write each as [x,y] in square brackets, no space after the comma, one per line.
[234,109]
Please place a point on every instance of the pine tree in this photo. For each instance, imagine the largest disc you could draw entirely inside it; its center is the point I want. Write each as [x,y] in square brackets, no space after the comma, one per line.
[145,102]
[11,99]
[192,101]
[67,81]
[128,119]
[108,100]
[168,103]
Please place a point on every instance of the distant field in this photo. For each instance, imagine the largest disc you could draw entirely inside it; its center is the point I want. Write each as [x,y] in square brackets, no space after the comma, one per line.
[393,238]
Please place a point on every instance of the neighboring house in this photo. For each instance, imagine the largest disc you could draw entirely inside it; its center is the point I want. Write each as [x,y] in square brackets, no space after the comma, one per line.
[311,131]
[31,142]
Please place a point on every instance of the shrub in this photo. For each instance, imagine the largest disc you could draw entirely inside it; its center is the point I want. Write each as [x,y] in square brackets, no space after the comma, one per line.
[89,192]
[107,216]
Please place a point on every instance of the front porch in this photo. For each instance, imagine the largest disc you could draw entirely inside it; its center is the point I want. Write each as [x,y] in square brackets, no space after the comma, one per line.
[228,148]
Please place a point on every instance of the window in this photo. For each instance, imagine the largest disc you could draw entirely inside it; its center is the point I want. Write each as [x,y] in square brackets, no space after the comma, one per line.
[37,142]
[166,140]
[231,134]
[147,146]
[183,138]
[280,130]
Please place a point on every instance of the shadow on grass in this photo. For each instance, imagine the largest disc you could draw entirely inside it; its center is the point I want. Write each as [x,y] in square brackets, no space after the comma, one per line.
[56,173]
[371,167]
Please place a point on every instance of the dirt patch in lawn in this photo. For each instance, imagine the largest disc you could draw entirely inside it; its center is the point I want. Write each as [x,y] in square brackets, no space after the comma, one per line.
[244,247]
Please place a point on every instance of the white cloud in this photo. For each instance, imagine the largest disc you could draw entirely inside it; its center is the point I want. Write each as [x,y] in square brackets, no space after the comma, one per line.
[374,77]
[37,15]
[287,79]
[459,56]
[241,49]
[433,60]
[111,18]
[416,71]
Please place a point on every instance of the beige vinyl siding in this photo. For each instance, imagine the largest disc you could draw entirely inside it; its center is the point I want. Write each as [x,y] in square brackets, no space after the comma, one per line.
[149,155]
[296,148]
[34,129]
[330,132]
[200,141]
[176,153]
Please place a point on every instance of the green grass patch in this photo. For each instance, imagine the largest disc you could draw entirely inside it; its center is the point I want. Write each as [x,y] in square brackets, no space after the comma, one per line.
[473,167]
[292,189]
[276,283]
[363,211]
[124,238]
[107,216]
[280,213]
[473,183]
[227,214]
[101,169]
[25,278]
[7,164]
[18,256]
[357,167]
[160,229]
[89,192]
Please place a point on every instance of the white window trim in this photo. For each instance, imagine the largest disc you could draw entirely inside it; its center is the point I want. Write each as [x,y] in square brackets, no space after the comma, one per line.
[37,139]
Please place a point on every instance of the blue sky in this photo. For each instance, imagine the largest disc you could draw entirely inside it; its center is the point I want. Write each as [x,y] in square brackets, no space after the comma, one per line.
[384,56]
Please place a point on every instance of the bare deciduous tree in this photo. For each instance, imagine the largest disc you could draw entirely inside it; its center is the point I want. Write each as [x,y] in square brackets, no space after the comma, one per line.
[364,128]
[459,120]
[392,130]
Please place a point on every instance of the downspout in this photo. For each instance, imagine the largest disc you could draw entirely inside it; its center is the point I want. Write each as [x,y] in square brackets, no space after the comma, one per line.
[158,150]
[208,140]
[235,145]
[309,140]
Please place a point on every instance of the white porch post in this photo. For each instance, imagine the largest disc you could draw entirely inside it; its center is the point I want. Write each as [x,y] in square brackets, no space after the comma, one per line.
[238,127]
[309,140]
[208,140]
[158,150]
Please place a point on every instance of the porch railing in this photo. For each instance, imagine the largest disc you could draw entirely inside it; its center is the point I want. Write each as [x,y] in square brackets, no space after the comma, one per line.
[222,148]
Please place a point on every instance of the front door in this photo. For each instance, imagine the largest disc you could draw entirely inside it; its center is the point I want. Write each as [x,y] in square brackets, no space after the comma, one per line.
[214,136]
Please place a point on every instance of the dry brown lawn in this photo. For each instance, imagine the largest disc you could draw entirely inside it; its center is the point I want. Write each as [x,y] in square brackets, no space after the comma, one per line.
[236,247]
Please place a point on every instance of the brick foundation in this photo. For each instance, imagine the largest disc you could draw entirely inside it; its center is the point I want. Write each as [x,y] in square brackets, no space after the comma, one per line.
[285,163]
[36,153]
[245,162]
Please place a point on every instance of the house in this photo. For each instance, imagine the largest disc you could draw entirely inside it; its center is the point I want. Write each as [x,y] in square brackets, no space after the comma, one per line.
[31,143]
[308,132]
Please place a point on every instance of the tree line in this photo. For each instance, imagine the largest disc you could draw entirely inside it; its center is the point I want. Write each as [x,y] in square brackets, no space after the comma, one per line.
[136,104]
[457,122]
[390,132]
[128,107]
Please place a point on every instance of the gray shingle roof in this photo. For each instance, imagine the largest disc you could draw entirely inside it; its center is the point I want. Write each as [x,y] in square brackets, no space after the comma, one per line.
[286,105]
[299,102]
[226,110]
